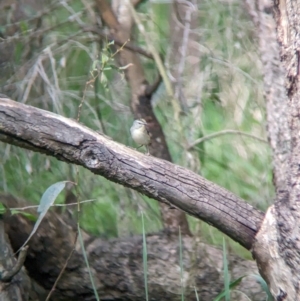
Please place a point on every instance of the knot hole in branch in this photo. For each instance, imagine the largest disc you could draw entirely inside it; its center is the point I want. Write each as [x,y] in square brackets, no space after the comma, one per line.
[90,158]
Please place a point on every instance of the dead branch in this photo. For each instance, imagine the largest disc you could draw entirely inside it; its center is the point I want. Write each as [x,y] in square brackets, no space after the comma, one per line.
[69,141]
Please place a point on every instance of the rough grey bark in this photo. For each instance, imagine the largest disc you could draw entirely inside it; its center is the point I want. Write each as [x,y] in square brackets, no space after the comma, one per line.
[276,98]
[277,244]
[117,264]
[67,140]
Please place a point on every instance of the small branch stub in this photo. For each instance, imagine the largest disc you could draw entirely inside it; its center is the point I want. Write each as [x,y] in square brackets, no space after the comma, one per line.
[8,275]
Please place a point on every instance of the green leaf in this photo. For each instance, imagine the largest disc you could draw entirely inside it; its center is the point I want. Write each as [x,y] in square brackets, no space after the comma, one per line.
[264,286]
[23,26]
[47,201]
[231,286]
[145,262]
[196,293]
[95,63]
[3,209]
[50,196]
[104,58]
[181,265]
[30,216]
[87,262]
[160,24]
[227,285]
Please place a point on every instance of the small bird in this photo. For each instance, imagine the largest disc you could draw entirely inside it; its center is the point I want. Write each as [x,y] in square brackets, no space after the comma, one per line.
[140,133]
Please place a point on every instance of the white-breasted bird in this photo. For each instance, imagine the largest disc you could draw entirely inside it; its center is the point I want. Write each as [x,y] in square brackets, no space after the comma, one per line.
[140,133]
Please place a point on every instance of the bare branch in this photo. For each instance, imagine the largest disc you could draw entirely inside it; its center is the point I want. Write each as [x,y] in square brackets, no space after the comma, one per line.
[224,132]
[118,42]
[67,140]
[8,275]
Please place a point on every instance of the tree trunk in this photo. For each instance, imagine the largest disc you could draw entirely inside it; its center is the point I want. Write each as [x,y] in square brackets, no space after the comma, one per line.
[276,248]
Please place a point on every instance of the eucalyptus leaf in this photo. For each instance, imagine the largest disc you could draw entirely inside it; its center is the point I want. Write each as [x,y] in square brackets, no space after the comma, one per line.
[46,202]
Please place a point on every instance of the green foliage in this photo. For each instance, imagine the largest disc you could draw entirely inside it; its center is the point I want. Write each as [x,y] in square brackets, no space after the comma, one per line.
[145,261]
[226,274]
[4,209]
[159,24]
[181,265]
[264,286]
[226,292]
[196,294]
[87,263]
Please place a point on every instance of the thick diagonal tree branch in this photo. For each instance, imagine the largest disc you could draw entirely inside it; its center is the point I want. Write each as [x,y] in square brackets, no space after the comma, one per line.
[69,141]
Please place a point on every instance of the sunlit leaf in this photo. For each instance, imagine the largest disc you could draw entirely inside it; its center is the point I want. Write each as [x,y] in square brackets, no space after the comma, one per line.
[2,209]
[104,58]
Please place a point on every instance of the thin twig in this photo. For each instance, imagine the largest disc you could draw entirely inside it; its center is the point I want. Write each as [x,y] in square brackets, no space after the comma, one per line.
[224,132]
[62,270]
[187,25]
[128,45]
[54,205]
[8,275]
[83,98]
